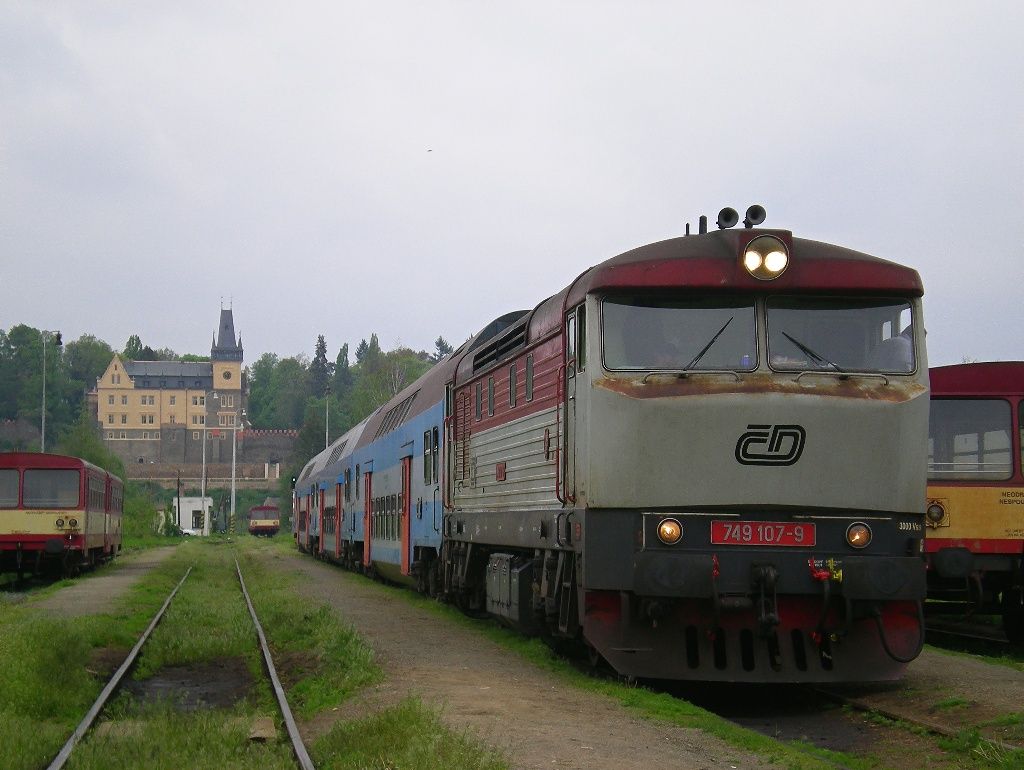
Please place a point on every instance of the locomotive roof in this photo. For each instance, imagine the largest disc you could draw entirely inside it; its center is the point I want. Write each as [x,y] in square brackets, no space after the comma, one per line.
[995,378]
[711,262]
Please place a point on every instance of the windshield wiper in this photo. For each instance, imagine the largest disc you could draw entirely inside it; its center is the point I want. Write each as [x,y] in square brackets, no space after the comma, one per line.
[706,348]
[816,356]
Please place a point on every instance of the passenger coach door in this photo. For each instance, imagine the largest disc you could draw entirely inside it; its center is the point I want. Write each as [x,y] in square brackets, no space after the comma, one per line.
[367,517]
[405,520]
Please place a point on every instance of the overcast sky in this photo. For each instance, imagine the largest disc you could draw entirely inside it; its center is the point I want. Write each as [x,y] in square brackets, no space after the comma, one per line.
[417,169]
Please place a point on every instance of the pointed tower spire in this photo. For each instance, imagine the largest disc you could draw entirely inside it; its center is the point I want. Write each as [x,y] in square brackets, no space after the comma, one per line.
[225,347]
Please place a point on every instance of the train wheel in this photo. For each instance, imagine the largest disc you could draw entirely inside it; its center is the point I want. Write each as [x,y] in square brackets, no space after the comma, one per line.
[1013,616]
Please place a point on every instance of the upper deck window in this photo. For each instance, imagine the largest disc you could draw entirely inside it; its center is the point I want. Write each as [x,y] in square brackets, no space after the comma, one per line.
[839,334]
[51,488]
[9,488]
[642,332]
[969,439]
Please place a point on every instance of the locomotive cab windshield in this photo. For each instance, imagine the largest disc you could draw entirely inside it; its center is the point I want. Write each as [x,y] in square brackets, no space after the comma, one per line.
[803,333]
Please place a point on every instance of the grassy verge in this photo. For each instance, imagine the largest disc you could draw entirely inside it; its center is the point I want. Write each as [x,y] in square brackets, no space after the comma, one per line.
[53,671]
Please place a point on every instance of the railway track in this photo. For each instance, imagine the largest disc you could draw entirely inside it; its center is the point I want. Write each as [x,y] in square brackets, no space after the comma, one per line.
[298,747]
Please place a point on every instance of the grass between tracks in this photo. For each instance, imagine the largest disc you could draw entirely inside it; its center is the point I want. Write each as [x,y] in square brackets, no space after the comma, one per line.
[52,673]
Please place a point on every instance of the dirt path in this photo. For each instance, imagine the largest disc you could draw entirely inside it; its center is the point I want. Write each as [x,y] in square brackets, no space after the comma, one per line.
[93,594]
[533,717]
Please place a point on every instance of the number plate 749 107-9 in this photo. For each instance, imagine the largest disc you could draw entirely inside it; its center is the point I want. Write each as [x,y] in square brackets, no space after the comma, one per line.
[761,533]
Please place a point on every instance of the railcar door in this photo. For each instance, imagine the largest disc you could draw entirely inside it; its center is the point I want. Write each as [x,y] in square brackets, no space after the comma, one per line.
[367,517]
[574,363]
[405,520]
[339,514]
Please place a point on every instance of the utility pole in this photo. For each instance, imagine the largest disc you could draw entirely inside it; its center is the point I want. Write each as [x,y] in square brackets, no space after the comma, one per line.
[42,429]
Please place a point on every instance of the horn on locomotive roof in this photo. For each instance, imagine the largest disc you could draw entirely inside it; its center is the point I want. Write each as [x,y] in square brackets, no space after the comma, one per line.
[727,217]
[755,215]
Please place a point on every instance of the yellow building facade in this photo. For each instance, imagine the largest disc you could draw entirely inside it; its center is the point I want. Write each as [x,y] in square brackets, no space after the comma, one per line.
[166,411]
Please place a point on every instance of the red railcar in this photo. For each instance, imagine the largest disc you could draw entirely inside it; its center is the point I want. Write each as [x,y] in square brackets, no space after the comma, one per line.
[975,513]
[264,520]
[57,510]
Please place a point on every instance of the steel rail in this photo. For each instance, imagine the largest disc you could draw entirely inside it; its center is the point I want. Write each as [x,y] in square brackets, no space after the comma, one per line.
[293,731]
[101,701]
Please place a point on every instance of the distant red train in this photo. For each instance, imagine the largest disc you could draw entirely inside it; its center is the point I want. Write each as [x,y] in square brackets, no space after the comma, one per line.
[57,511]
[264,520]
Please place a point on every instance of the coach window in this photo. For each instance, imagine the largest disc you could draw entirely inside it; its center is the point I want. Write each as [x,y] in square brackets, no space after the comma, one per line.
[435,441]
[529,377]
[359,481]
[479,400]
[426,457]
[9,488]
[51,488]
[969,439]
[490,396]
[512,385]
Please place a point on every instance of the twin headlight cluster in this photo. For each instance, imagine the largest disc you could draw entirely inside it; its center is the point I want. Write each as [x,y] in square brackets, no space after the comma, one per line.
[766,257]
[70,522]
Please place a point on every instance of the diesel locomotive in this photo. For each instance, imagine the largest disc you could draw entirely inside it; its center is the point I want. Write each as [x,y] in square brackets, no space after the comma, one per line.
[703,459]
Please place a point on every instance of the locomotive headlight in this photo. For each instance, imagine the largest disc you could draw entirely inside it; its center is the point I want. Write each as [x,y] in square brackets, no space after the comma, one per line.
[60,522]
[858,535]
[935,513]
[775,261]
[72,522]
[670,531]
[766,257]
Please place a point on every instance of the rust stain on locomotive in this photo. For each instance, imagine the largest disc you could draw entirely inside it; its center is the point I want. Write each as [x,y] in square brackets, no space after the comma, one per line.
[671,385]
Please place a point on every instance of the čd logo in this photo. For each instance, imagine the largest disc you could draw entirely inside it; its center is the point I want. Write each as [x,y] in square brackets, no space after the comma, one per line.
[770,445]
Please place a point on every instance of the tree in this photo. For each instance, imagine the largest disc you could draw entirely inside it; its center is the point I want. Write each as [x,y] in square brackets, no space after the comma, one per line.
[342,386]
[82,440]
[320,370]
[133,348]
[441,348]
[361,349]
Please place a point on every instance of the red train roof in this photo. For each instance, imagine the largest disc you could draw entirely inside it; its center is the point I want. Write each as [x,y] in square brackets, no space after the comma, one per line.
[1001,378]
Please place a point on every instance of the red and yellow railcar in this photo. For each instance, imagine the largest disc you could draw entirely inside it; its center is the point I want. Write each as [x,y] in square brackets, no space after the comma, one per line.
[57,510]
[264,520]
[975,512]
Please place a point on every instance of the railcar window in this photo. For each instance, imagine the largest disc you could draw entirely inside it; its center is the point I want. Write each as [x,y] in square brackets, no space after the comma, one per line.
[479,400]
[840,335]
[435,438]
[9,488]
[51,488]
[512,385]
[490,396]
[581,346]
[641,332]
[529,377]
[426,457]
[969,439]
